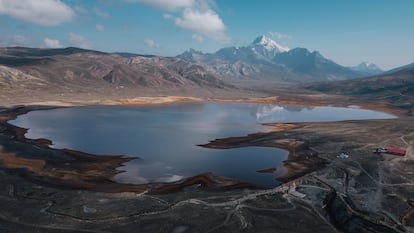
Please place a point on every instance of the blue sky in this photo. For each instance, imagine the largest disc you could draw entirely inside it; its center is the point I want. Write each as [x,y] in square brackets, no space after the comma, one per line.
[348,32]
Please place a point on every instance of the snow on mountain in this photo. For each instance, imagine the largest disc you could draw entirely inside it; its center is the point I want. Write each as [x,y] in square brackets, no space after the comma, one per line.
[302,61]
[367,68]
[368,65]
[266,59]
[268,44]
[265,48]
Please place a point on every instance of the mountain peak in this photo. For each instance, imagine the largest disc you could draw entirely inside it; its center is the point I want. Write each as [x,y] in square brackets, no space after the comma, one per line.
[368,65]
[367,68]
[269,44]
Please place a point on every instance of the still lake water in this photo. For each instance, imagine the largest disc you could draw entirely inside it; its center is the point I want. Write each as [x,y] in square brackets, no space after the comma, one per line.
[165,138]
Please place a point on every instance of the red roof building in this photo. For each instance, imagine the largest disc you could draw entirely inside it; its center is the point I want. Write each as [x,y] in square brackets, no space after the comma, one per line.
[395,151]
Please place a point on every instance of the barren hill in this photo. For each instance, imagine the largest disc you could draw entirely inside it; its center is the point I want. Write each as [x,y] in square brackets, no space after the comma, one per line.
[73,71]
[396,88]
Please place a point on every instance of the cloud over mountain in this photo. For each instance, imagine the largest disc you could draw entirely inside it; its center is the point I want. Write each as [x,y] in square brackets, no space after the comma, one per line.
[151,43]
[51,43]
[206,22]
[79,41]
[15,40]
[193,15]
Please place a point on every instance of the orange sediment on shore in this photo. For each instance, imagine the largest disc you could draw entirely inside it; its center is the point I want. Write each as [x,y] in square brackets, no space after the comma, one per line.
[149,101]
[94,172]
[9,160]
[272,100]
[312,100]
[282,127]
[74,169]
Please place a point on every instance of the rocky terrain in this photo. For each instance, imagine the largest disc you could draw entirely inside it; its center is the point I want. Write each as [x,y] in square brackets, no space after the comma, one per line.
[78,74]
[396,88]
[49,190]
[69,191]
[66,73]
[265,60]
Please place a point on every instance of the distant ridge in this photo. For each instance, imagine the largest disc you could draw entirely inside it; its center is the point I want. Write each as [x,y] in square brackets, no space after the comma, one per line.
[43,52]
[77,68]
[265,59]
[367,68]
[404,67]
[396,88]
[131,55]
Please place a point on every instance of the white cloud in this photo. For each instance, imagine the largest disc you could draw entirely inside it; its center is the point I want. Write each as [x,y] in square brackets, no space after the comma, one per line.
[167,5]
[101,13]
[20,40]
[280,35]
[44,12]
[197,38]
[207,23]
[151,43]
[79,41]
[80,9]
[100,28]
[196,16]
[168,16]
[52,43]
[15,40]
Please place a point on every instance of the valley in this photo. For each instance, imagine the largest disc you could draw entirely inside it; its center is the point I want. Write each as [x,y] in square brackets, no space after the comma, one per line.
[64,190]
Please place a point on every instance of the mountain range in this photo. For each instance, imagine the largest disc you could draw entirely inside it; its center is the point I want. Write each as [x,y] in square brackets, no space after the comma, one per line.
[32,74]
[367,68]
[74,66]
[265,59]
[254,66]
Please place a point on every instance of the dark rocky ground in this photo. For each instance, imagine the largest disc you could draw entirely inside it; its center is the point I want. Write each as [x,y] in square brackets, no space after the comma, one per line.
[366,192]
[46,190]
[28,207]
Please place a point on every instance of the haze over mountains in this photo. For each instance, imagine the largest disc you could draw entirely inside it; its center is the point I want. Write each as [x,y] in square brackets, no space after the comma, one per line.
[263,62]
[367,68]
[264,59]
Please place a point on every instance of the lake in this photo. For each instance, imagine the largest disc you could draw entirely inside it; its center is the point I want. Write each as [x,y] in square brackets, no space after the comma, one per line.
[165,138]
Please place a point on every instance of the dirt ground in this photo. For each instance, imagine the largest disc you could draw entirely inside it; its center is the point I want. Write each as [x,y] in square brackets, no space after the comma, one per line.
[41,191]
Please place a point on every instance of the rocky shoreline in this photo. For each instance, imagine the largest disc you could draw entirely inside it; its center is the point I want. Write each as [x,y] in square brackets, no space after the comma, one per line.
[71,191]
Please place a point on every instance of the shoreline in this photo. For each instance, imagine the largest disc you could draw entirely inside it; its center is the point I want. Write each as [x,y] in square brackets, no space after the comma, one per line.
[83,170]
[75,169]
[310,100]
[301,159]
[338,188]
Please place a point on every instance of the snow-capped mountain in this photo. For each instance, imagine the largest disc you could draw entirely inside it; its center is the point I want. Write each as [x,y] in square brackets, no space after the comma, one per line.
[262,48]
[265,59]
[268,44]
[367,68]
[241,63]
[313,65]
[267,47]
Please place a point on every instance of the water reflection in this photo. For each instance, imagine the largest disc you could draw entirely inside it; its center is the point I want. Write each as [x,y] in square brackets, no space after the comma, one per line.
[165,138]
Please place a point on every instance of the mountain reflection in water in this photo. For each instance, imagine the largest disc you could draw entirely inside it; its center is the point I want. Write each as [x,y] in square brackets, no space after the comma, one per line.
[164,138]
